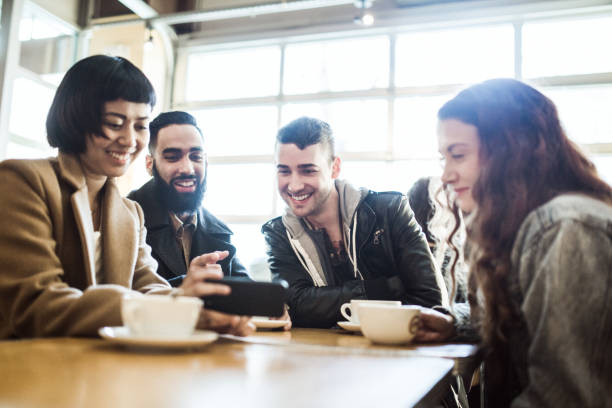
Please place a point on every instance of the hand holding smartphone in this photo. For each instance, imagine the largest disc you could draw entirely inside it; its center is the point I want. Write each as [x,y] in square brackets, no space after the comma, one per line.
[250,298]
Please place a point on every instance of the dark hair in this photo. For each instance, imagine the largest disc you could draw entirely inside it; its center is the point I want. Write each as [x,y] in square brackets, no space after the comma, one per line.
[526,160]
[423,207]
[167,119]
[77,107]
[305,131]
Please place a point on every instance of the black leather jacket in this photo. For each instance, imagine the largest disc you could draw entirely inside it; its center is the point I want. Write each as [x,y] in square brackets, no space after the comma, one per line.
[393,258]
[210,235]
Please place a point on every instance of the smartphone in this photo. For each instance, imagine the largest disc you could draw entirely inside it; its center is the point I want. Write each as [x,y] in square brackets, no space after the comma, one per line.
[250,298]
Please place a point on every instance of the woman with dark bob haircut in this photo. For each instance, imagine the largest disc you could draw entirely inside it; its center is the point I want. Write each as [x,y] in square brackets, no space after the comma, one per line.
[540,225]
[70,246]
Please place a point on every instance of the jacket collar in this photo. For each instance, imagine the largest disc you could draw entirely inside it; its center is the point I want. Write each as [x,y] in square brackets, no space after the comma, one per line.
[350,197]
[71,170]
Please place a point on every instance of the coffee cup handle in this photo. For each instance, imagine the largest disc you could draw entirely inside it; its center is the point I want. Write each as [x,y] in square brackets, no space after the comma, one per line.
[415,324]
[343,310]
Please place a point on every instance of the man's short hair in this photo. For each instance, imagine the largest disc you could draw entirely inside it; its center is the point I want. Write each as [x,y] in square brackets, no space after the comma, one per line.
[305,131]
[78,106]
[167,119]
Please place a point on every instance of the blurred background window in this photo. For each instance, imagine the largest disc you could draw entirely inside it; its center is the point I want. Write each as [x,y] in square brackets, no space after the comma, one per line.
[47,48]
[340,65]
[380,94]
[233,74]
[567,47]
[454,56]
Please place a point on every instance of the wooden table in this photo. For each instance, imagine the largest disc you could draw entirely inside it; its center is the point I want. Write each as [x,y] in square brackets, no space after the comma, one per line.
[301,368]
[467,357]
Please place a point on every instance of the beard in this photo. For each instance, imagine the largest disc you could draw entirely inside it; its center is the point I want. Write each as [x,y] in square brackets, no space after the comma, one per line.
[176,202]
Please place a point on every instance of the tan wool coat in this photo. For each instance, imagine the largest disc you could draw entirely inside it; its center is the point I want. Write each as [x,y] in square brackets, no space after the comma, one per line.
[47,273]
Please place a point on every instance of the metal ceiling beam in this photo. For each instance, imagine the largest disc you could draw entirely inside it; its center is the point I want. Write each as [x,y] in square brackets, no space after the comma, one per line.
[251,11]
[140,8]
[144,11]
[168,38]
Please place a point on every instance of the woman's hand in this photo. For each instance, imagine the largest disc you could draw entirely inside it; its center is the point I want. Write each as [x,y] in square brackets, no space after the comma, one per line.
[225,323]
[435,326]
[202,270]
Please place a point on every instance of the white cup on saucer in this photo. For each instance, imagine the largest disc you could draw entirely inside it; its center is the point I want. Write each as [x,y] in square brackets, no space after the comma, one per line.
[160,316]
[388,324]
[350,310]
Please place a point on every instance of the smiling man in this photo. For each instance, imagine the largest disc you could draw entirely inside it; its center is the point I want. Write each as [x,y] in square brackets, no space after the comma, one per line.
[336,242]
[178,227]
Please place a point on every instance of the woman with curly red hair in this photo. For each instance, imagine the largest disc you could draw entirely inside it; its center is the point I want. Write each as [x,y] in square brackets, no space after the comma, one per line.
[540,230]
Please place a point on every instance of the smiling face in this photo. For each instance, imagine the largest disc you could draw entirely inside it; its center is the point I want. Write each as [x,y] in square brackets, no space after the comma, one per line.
[459,145]
[179,161]
[305,177]
[125,127]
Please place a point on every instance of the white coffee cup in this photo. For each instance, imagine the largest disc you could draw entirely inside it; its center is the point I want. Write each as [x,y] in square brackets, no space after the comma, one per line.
[388,324]
[350,310]
[160,316]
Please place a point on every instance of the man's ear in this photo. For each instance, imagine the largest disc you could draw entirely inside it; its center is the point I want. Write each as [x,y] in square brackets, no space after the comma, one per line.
[149,164]
[336,167]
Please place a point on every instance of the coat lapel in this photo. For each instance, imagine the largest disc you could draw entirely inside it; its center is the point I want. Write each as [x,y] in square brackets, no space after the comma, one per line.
[71,171]
[119,243]
[82,212]
[167,248]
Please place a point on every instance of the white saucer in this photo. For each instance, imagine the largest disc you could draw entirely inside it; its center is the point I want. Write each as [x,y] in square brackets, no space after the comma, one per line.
[266,323]
[350,326]
[121,335]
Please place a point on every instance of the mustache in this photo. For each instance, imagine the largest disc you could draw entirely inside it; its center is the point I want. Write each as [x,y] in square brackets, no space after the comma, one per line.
[184,177]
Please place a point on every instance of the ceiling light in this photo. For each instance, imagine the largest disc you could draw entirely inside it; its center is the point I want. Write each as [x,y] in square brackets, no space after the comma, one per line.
[364,18]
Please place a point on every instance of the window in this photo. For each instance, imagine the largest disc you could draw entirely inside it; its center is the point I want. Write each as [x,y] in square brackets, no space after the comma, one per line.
[240,189]
[251,249]
[567,47]
[31,102]
[358,125]
[238,131]
[415,121]
[584,111]
[233,74]
[383,116]
[454,56]
[47,50]
[340,65]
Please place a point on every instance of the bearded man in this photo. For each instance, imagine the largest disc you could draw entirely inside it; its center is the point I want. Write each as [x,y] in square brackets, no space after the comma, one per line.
[178,227]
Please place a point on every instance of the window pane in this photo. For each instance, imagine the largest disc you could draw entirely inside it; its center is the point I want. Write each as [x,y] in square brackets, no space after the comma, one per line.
[343,65]
[454,56]
[358,126]
[239,131]
[392,176]
[567,47]
[251,249]
[19,151]
[47,45]
[374,175]
[584,112]
[240,189]
[29,108]
[415,125]
[604,166]
[233,74]
[407,172]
